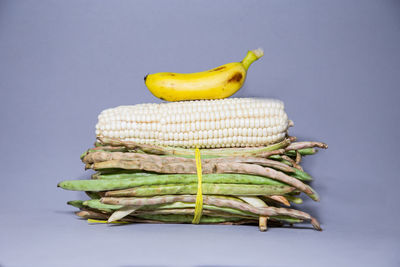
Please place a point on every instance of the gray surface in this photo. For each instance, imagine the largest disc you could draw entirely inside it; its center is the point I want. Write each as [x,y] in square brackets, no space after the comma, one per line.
[336,64]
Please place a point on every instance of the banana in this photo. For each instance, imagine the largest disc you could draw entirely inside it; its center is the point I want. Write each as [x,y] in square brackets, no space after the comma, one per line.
[217,83]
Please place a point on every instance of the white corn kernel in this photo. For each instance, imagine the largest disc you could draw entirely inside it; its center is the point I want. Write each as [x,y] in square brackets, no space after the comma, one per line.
[233,122]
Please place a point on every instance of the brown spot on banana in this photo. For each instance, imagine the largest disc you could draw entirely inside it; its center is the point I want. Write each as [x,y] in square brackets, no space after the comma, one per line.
[237,77]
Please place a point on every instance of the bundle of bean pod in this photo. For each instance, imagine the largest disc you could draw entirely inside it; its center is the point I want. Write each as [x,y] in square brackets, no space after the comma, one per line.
[146,169]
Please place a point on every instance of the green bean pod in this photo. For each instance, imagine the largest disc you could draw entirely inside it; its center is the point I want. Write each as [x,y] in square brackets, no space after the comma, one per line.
[113,184]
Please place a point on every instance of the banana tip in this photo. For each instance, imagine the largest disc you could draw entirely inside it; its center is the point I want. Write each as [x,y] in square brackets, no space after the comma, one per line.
[259,52]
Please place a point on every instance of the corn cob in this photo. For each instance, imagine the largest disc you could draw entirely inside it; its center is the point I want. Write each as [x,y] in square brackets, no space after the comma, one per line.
[234,122]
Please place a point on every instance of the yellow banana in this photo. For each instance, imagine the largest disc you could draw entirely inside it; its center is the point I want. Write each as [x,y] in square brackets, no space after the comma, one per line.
[217,83]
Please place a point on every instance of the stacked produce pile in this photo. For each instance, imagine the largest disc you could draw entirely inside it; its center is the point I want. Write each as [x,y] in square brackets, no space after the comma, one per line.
[227,161]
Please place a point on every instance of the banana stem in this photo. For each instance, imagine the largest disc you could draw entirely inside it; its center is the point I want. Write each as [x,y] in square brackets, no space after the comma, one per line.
[252,56]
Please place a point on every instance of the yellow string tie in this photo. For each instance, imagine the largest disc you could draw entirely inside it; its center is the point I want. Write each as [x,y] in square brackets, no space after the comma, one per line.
[198,210]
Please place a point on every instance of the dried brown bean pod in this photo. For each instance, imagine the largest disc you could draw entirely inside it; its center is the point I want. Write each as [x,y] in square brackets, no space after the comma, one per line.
[210,200]
[267,172]
[298,157]
[164,150]
[305,144]
[280,199]
[100,156]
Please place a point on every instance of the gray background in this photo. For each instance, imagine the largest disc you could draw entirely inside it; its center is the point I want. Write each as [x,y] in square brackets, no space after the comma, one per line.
[336,65]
